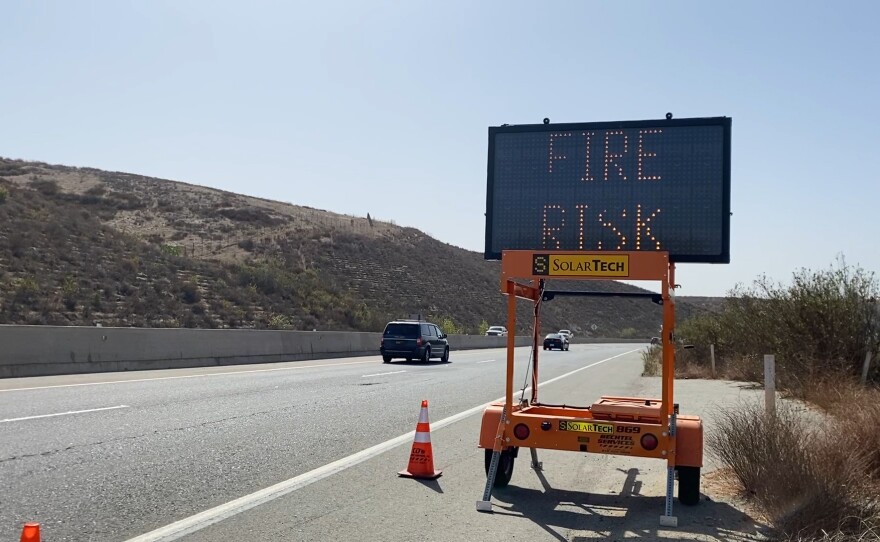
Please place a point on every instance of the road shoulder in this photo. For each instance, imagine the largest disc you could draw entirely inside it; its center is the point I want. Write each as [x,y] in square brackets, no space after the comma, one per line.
[577,497]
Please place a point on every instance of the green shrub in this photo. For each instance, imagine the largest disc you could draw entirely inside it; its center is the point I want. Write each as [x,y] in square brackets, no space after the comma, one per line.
[69,292]
[264,278]
[27,290]
[172,250]
[652,361]
[279,321]
[11,170]
[250,215]
[628,333]
[97,304]
[4,193]
[484,327]
[44,187]
[823,323]
[130,265]
[97,190]
[449,326]
[189,293]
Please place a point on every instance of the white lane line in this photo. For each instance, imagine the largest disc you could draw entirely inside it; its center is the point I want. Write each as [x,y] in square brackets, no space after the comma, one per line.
[560,377]
[214,515]
[486,361]
[63,413]
[383,374]
[201,375]
[190,376]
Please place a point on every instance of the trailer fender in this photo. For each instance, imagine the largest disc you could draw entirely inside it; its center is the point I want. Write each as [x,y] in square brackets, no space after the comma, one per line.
[489,427]
[689,441]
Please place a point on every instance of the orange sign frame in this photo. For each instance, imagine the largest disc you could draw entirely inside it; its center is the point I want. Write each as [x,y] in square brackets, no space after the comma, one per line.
[612,425]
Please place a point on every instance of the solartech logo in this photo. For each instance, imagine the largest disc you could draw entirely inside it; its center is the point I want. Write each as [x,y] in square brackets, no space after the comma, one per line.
[581,265]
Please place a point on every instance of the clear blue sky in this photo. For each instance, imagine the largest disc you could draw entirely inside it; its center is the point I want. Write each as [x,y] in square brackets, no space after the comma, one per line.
[356,107]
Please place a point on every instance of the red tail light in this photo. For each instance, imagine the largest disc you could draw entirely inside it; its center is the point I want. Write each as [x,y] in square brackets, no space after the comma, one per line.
[649,441]
[382,342]
[419,341]
[521,431]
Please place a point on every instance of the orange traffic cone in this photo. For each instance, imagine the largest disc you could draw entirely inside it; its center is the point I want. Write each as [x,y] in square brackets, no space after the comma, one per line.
[421,458]
[30,533]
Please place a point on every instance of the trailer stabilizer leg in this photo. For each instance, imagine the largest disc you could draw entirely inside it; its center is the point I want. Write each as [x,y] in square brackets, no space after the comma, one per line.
[667,519]
[485,505]
[537,465]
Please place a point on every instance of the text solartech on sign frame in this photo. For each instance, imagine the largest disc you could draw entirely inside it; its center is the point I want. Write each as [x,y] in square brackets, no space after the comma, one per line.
[581,265]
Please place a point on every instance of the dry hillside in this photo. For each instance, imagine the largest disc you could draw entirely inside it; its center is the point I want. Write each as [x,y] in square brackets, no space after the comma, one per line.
[81,246]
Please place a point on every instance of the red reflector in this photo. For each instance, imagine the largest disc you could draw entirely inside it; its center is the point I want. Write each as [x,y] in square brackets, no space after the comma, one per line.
[649,441]
[521,431]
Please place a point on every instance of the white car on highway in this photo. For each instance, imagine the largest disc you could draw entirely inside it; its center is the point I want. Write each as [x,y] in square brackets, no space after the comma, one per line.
[497,331]
[567,332]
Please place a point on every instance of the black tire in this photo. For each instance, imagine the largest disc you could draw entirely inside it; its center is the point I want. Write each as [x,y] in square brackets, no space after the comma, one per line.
[688,485]
[427,355]
[386,359]
[505,467]
[545,348]
[445,358]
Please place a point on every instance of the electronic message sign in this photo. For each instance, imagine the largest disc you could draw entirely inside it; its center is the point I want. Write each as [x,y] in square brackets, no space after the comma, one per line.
[611,186]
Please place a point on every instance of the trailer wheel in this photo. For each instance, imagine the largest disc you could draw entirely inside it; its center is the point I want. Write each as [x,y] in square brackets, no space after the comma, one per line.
[505,467]
[688,485]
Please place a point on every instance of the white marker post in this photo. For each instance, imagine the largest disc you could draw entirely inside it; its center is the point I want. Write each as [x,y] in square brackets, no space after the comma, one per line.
[770,384]
[865,368]
[712,357]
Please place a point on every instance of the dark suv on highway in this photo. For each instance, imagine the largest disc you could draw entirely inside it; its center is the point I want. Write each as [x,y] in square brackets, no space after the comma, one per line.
[410,340]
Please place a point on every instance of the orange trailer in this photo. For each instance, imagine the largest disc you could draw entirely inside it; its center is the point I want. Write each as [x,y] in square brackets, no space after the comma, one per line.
[634,426]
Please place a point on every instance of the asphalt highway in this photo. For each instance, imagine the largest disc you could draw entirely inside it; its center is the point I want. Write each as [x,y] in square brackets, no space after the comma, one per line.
[116,456]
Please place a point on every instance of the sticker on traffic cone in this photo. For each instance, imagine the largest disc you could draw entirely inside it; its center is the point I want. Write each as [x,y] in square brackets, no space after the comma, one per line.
[30,533]
[421,458]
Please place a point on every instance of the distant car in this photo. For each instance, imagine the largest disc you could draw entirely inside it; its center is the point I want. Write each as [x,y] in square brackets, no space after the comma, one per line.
[567,332]
[497,331]
[555,340]
[411,339]
[655,340]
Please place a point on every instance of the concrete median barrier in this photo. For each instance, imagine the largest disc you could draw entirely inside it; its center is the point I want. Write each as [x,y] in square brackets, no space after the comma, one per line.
[54,350]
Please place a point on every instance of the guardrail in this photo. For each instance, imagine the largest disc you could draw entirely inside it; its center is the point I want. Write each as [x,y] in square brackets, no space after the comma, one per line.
[54,350]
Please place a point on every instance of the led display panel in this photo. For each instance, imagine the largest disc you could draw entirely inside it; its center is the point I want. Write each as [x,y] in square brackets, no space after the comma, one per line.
[612,186]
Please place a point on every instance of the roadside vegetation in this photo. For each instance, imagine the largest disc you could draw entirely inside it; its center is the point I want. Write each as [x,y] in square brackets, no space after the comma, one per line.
[81,246]
[814,467]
